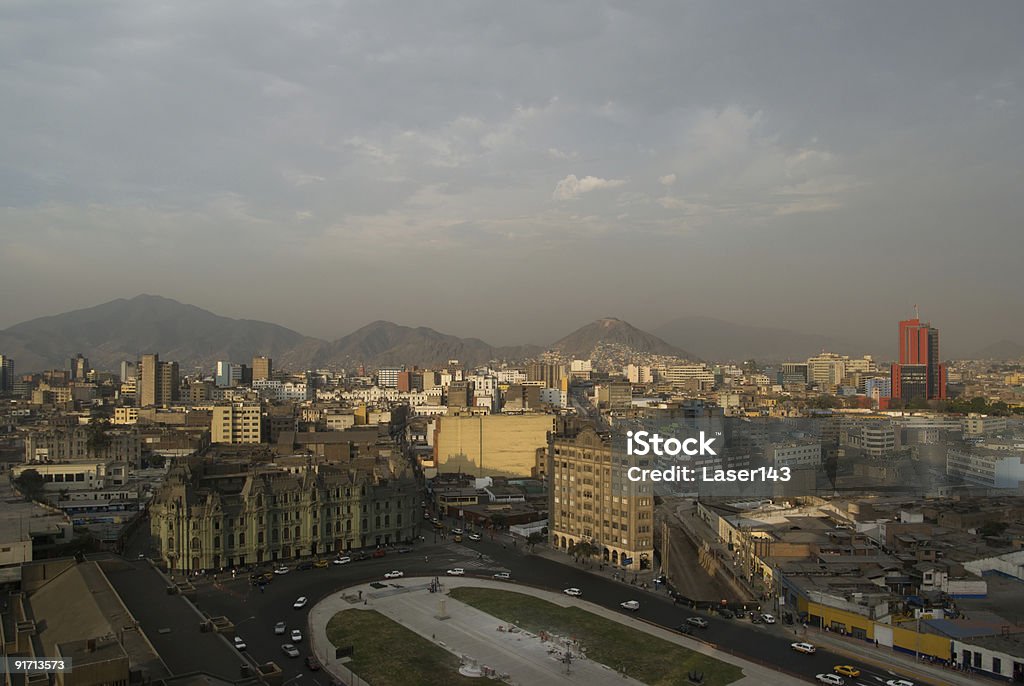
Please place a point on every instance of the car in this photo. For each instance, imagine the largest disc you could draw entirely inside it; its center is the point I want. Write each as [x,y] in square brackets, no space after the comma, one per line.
[458,571]
[684,629]
[426,515]
[768,619]
[831,679]
[803,647]
[475,537]
[402,551]
[281,570]
[300,602]
[574,592]
[457,538]
[239,643]
[899,682]
[379,552]
[630,605]
[303,566]
[698,622]
[320,564]
[394,574]
[503,576]
[726,612]
[280,628]
[312,664]
[296,636]
[290,650]
[142,556]
[846,670]
[343,560]
[457,532]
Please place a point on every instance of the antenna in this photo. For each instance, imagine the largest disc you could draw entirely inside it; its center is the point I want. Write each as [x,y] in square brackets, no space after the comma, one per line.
[916,315]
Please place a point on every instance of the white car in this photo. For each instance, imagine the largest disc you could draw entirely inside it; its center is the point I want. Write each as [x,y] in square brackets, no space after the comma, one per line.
[803,648]
[899,682]
[280,628]
[300,603]
[281,570]
[457,532]
[503,576]
[343,560]
[290,650]
[239,643]
[475,537]
[698,622]
[394,574]
[296,636]
[631,605]
[574,592]
[831,679]
[768,619]
[458,571]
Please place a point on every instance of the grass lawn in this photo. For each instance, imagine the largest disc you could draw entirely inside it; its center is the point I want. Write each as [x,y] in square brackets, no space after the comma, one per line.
[646,658]
[388,654]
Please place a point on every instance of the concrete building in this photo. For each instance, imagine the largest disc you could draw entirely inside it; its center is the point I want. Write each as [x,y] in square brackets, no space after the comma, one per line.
[237,423]
[211,518]
[795,455]
[826,370]
[157,381]
[982,424]
[79,367]
[6,374]
[698,375]
[65,444]
[262,368]
[986,467]
[387,377]
[591,499]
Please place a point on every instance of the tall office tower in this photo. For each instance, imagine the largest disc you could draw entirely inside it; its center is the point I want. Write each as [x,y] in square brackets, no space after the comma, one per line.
[158,381]
[129,370]
[918,374]
[262,368]
[6,374]
[222,375]
[79,367]
[826,370]
[387,377]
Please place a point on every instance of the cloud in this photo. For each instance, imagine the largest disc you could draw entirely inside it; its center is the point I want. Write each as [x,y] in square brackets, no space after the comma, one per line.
[667,179]
[556,154]
[571,187]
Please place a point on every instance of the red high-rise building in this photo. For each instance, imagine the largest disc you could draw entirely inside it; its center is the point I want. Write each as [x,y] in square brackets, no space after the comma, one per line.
[918,374]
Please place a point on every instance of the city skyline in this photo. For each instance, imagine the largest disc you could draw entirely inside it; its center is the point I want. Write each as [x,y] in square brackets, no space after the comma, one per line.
[764,165]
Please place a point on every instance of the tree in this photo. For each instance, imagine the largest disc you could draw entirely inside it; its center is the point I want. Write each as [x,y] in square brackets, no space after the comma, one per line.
[583,550]
[30,482]
[97,437]
[498,521]
[534,538]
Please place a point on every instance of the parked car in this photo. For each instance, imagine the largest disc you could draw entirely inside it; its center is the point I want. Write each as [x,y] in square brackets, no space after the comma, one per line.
[630,605]
[684,629]
[379,552]
[475,537]
[296,636]
[727,613]
[239,643]
[899,682]
[280,628]
[846,670]
[300,602]
[830,679]
[290,650]
[457,538]
[803,647]
[458,571]
[343,560]
[768,619]
[503,576]
[457,532]
[312,664]
[574,592]
[303,566]
[402,551]
[698,622]
[281,570]
[320,564]
[394,574]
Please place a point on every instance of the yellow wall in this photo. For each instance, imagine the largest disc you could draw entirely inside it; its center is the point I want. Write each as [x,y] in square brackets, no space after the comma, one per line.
[926,644]
[852,620]
[509,442]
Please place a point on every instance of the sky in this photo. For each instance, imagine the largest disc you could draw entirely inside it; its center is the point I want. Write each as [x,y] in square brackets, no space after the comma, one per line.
[514,170]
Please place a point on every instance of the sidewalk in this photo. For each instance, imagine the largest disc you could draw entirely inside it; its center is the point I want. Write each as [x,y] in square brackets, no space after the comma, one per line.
[475,635]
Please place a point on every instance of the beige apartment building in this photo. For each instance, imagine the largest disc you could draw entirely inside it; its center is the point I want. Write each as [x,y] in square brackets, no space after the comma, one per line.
[237,424]
[591,498]
[234,515]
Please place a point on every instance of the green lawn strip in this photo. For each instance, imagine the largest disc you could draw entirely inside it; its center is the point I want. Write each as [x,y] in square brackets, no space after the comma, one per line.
[646,658]
[387,654]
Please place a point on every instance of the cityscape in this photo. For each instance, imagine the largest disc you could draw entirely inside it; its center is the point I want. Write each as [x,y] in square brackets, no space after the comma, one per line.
[533,343]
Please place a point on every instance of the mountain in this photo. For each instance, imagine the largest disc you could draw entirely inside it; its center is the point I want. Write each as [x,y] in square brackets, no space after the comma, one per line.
[1000,350]
[123,329]
[714,339]
[386,343]
[581,342]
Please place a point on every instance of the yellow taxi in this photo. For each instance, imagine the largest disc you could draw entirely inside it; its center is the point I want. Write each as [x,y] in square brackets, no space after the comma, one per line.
[320,564]
[846,670]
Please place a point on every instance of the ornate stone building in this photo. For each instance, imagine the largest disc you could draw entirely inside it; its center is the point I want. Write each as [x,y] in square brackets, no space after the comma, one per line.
[213,516]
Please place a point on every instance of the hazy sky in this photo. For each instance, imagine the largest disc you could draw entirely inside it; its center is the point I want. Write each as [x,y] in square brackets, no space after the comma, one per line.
[513,170]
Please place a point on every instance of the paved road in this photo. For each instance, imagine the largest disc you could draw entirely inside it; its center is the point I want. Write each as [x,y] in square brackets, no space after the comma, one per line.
[240,601]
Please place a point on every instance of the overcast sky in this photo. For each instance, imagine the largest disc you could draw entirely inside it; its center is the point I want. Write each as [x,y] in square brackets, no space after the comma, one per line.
[513,170]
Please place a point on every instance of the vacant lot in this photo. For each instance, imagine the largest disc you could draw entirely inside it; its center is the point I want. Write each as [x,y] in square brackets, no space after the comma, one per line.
[644,657]
[388,654]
